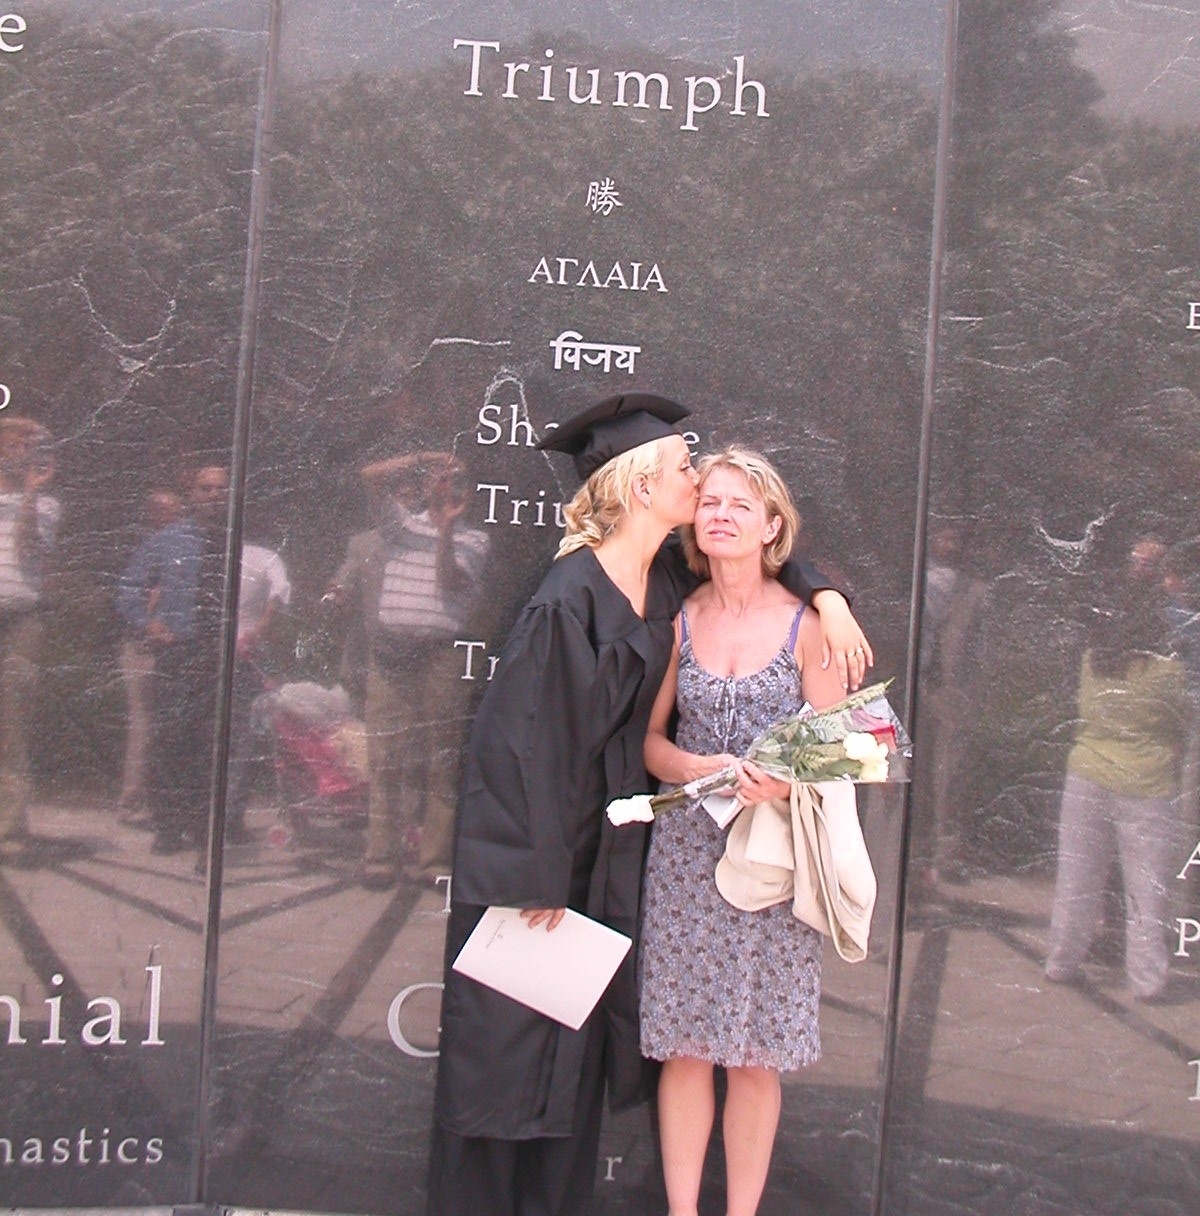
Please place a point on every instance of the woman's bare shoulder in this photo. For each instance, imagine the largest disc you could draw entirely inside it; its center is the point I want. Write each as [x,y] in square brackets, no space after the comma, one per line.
[783,598]
[699,599]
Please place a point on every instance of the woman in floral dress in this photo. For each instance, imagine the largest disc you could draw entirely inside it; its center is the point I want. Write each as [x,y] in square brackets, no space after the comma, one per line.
[721,987]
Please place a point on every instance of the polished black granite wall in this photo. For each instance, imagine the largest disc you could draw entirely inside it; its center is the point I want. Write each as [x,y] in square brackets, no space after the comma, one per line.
[942,266]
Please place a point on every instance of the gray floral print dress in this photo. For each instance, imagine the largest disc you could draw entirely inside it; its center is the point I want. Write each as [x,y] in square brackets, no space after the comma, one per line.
[716,983]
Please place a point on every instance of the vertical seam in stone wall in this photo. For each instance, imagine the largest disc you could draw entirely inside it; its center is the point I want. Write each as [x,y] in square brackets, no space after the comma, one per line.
[929,389]
[247,340]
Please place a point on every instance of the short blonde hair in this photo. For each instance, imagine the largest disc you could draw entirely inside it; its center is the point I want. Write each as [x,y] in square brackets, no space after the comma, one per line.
[766,484]
[606,497]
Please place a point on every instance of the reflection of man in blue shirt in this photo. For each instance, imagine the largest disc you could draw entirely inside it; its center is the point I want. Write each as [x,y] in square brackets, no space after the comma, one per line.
[162,507]
[159,594]
[171,595]
[158,589]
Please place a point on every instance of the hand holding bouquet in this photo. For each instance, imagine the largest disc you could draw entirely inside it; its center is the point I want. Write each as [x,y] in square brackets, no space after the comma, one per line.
[859,739]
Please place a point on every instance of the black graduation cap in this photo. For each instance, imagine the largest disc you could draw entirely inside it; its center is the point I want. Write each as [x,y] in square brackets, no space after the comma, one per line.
[615,425]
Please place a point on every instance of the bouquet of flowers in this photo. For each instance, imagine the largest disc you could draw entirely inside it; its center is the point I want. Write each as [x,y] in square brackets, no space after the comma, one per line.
[858,739]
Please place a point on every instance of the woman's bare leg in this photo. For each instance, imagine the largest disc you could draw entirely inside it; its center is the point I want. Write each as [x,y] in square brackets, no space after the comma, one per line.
[752,1103]
[686,1108]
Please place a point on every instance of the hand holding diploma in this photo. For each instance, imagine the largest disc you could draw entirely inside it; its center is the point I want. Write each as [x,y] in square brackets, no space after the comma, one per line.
[560,974]
[550,917]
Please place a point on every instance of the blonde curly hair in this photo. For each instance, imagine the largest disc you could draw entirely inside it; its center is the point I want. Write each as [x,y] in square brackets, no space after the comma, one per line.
[607,496]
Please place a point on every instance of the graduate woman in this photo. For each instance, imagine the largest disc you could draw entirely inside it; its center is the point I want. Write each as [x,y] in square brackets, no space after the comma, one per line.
[558,735]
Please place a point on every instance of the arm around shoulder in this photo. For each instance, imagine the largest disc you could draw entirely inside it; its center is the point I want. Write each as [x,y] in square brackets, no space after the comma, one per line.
[820,683]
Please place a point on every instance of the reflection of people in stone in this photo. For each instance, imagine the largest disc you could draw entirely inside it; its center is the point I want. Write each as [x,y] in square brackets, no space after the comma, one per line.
[264,590]
[1120,795]
[415,581]
[171,593]
[28,521]
[721,986]
[163,507]
[1183,617]
[559,733]
[952,604]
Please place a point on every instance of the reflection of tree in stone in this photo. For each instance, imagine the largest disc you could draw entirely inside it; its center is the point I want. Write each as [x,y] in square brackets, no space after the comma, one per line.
[795,251]
[125,201]
[1064,355]
[124,196]
[1071,245]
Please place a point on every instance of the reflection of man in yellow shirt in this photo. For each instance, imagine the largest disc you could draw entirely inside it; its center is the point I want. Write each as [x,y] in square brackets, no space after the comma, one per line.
[1131,733]
[1120,796]
[1184,619]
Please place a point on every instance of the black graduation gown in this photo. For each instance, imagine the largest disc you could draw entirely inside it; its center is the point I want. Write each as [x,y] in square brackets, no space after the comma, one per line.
[559,734]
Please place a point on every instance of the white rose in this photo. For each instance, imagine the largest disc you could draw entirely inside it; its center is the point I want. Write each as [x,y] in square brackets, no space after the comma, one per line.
[874,770]
[859,745]
[631,810]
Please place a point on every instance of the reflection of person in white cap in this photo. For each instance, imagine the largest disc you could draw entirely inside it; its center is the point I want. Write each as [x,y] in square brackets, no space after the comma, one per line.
[558,735]
[415,581]
[28,522]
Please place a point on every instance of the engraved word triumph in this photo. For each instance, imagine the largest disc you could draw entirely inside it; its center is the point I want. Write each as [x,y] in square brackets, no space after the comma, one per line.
[703,93]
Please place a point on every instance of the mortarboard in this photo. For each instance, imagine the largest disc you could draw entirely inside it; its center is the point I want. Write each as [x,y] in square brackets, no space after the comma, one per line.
[615,425]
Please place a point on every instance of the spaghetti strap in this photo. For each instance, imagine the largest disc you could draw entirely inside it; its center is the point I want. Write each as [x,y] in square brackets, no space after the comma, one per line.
[794,632]
[683,626]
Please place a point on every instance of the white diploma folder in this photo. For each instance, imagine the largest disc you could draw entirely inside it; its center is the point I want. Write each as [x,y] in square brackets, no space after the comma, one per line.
[722,808]
[561,973]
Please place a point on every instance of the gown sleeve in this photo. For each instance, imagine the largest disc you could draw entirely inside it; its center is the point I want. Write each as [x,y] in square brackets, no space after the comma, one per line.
[526,780]
[800,577]
[803,579]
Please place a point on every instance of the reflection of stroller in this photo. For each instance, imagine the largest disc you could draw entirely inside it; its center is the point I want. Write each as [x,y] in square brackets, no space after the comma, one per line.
[320,758]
